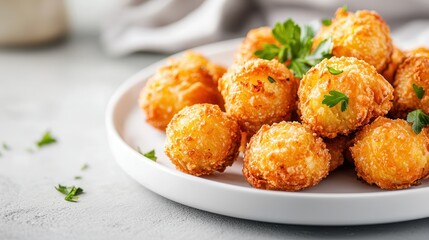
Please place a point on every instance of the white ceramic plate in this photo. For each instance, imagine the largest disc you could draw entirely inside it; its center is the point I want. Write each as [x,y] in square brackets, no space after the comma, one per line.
[340,199]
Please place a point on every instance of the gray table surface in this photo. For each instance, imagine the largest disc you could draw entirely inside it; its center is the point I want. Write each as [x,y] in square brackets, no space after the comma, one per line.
[65,88]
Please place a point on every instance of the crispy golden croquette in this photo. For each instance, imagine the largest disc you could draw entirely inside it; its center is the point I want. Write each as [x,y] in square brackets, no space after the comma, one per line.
[182,82]
[255,40]
[258,92]
[201,139]
[363,35]
[389,154]
[369,96]
[285,156]
[411,75]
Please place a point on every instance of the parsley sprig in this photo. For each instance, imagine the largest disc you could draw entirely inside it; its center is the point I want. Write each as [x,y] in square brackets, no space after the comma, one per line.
[70,192]
[295,47]
[334,98]
[419,91]
[419,120]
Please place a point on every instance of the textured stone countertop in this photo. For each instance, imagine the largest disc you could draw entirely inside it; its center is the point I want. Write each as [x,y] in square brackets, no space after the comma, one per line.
[65,89]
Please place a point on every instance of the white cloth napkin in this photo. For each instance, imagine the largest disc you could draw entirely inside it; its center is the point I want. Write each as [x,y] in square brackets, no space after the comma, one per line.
[172,25]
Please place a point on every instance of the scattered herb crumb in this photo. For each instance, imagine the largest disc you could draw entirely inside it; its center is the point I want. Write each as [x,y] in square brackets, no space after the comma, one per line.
[70,192]
[84,167]
[151,154]
[46,140]
[271,80]
[419,91]
[77,177]
[6,147]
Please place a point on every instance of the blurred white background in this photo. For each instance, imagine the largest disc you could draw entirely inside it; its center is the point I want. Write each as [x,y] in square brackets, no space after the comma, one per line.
[86,16]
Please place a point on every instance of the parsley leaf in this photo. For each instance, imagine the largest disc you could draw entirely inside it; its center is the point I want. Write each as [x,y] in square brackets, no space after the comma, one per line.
[334,71]
[62,189]
[271,80]
[419,91]
[326,22]
[70,192]
[345,8]
[77,177]
[84,167]
[151,154]
[334,98]
[270,51]
[46,140]
[295,47]
[419,120]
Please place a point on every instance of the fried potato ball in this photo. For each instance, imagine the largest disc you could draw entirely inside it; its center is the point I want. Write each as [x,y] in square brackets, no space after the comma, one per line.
[389,154]
[363,35]
[258,92]
[397,58]
[201,139]
[336,147]
[413,72]
[369,95]
[253,41]
[285,156]
[182,82]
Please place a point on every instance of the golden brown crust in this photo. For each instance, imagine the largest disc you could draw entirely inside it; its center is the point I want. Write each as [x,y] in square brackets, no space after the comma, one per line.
[253,41]
[253,99]
[414,70]
[369,94]
[336,146]
[182,82]
[389,154]
[397,58]
[201,139]
[418,52]
[363,35]
[285,156]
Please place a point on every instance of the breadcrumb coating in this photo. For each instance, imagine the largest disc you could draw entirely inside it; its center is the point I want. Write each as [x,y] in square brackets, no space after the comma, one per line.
[182,82]
[336,147]
[285,156]
[369,96]
[397,58]
[414,70]
[258,92]
[201,139]
[363,35]
[389,154]
[254,40]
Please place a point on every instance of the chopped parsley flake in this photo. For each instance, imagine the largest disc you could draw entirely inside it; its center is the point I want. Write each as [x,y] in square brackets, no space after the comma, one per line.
[419,91]
[46,140]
